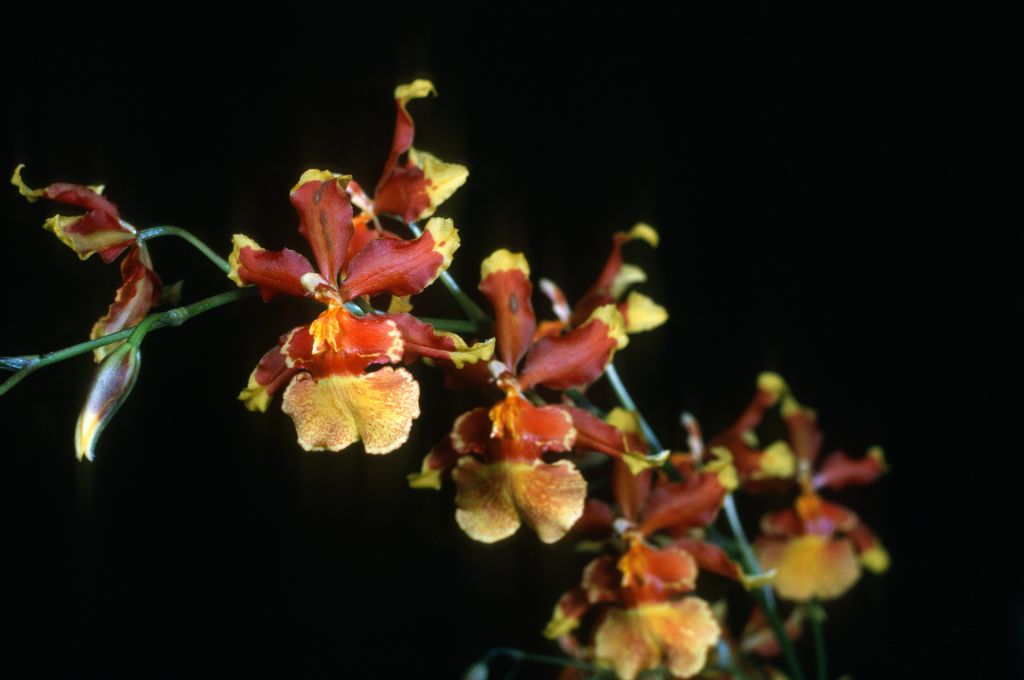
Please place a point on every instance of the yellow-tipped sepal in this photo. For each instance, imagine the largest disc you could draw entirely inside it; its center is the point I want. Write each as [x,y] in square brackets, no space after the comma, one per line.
[111,385]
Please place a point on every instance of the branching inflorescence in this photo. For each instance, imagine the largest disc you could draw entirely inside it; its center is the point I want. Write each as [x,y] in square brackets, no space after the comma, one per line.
[344,379]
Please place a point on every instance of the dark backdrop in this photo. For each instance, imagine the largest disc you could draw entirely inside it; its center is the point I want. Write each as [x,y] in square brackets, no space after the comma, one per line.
[800,168]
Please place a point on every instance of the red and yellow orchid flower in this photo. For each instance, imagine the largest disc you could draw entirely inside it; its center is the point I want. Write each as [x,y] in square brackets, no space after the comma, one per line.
[494,455]
[331,397]
[410,190]
[639,312]
[642,623]
[102,231]
[816,547]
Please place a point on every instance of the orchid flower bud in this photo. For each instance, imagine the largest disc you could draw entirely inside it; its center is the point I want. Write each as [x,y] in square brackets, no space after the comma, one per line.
[111,385]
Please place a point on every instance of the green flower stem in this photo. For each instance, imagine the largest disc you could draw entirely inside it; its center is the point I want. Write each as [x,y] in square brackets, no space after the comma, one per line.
[627,403]
[154,232]
[451,325]
[172,317]
[817,617]
[520,655]
[471,308]
[764,595]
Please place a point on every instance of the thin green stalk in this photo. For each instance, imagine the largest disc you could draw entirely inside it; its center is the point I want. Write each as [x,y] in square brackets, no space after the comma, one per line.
[451,325]
[154,232]
[471,308]
[817,617]
[764,595]
[520,655]
[172,317]
[627,403]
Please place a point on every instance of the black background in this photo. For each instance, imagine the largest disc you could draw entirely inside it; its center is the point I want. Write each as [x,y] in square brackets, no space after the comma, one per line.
[824,182]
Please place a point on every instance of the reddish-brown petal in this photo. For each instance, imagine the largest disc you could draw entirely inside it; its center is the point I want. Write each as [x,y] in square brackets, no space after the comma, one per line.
[536,428]
[759,638]
[711,558]
[139,292]
[471,431]
[824,518]
[630,490]
[325,219]
[810,566]
[335,411]
[404,128]
[839,470]
[652,574]
[421,340]
[403,194]
[273,271]
[783,523]
[271,374]
[804,433]
[607,288]
[505,280]
[596,521]
[602,580]
[594,434]
[441,459]
[693,503]
[402,267]
[345,343]
[491,496]
[577,358]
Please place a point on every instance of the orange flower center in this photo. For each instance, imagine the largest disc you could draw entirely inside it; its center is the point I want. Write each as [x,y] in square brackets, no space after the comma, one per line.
[634,565]
[326,329]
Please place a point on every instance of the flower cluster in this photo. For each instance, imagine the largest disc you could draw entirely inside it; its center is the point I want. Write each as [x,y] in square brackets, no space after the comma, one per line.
[345,377]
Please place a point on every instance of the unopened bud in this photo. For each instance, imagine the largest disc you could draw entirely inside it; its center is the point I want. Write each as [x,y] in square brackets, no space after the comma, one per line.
[111,385]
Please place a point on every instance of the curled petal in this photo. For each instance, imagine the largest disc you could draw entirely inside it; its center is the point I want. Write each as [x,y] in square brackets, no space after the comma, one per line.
[839,470]
[414,191]
[436,464]
[139,292]
[559,304]
[421,340]
[579,357]
[641,313]
[335,411]
[594,434]
[804,433]
[442,179]
[404,128]
[271,374]
[100,230]
[810,566]
[693,503]
[490,498]
[273,271]
[615,277]
[602,580]
[402,267]
[711,558]
[678,634]
[505,280]
[325,219]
